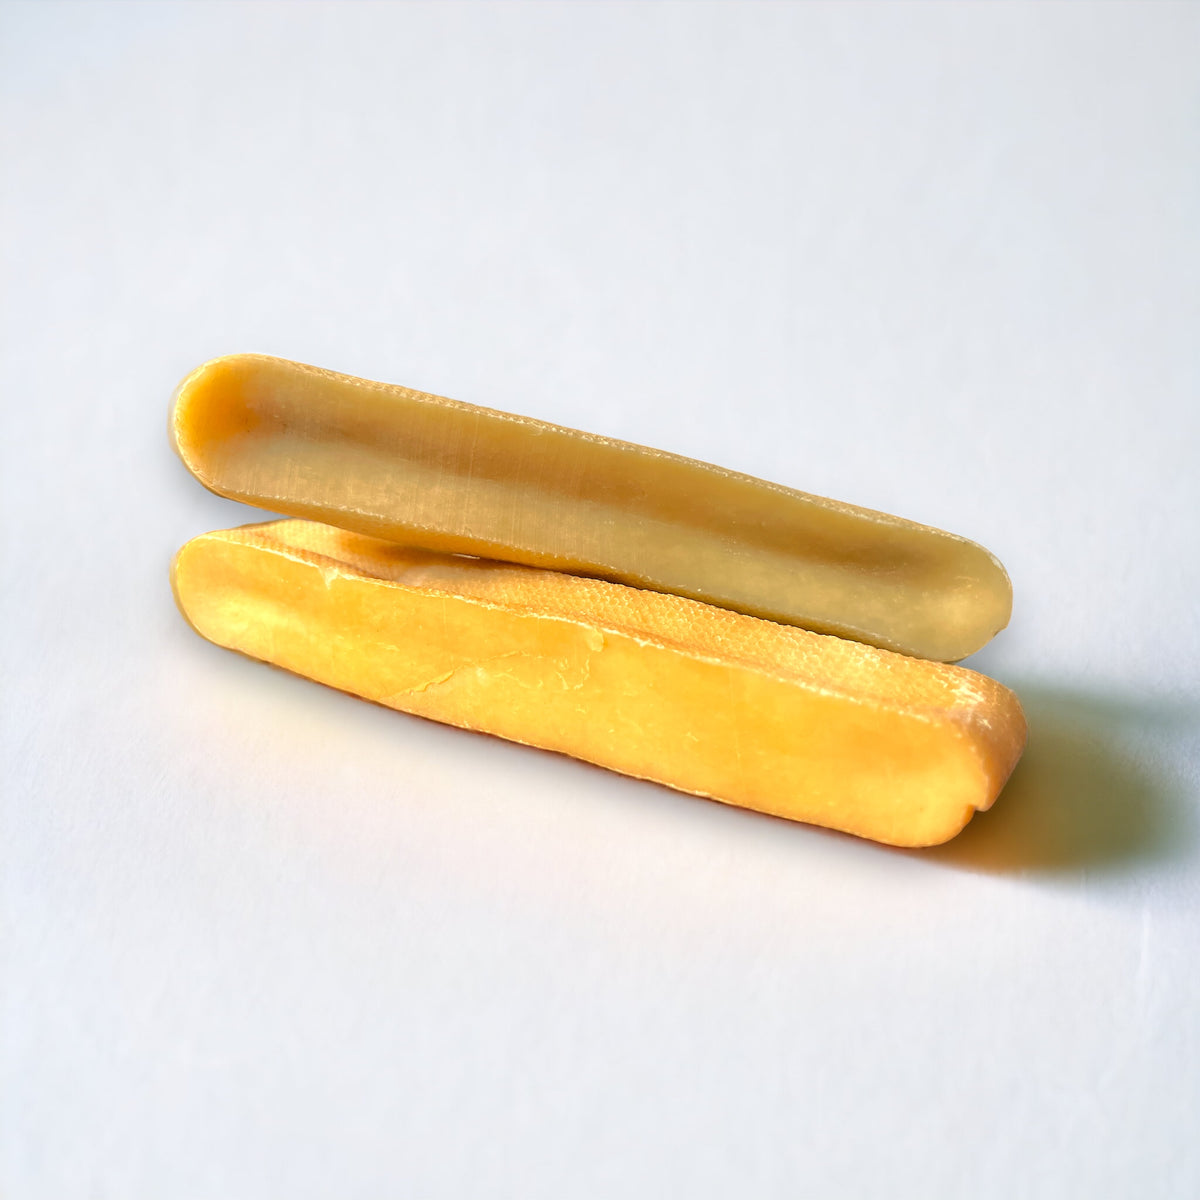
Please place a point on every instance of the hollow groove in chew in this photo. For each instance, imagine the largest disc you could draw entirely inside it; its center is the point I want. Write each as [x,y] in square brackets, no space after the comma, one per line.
[704,700]
[409,467]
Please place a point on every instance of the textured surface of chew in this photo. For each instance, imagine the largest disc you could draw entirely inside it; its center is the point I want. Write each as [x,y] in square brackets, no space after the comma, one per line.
[419,469]
[708,701]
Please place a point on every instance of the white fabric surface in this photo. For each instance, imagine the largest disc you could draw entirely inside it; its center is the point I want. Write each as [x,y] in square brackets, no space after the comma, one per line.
[263,940]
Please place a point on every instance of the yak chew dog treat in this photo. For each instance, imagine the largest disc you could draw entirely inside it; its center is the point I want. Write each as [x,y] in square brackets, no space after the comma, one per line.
[708,701]
[425,471]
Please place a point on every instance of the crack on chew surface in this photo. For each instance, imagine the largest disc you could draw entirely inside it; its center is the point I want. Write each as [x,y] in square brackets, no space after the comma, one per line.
[482,668]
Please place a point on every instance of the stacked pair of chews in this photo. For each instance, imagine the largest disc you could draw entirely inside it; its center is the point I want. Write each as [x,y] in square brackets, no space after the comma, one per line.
[652,614]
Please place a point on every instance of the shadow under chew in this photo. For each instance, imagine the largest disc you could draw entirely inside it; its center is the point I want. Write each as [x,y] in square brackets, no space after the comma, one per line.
[1083,796]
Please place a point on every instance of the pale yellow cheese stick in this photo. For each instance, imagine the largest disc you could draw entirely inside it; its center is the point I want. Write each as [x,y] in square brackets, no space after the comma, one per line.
[426,471]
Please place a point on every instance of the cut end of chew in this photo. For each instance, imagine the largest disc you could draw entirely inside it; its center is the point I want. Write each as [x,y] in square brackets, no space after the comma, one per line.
[716,703]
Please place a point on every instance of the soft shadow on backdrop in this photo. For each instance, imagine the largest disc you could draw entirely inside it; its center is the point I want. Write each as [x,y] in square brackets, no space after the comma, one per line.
[1082,798]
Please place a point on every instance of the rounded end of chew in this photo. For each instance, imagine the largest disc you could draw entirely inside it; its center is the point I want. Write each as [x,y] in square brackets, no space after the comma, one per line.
[210,408]
[968,613]
[999,584]
[178,586]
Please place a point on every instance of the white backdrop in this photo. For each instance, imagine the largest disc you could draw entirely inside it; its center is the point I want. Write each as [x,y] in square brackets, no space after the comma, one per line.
[264,940]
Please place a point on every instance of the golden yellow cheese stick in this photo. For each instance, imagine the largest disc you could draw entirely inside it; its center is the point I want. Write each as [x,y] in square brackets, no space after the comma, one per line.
[736,708]
[426,471]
